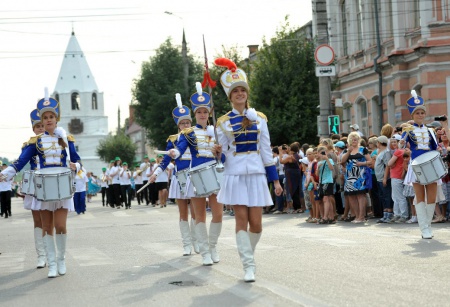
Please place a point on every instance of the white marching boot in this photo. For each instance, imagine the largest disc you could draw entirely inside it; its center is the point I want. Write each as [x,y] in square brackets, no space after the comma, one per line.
[186,238]
[40,248]
[254,239]
[214,233]
[245,250]
[49,244]
[202,238]
[422,219]
[61,247]
[194,237]
[430,213]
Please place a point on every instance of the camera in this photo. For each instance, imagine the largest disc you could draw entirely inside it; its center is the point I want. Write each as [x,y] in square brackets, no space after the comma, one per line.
[323,153]
[442,118]
[398,129]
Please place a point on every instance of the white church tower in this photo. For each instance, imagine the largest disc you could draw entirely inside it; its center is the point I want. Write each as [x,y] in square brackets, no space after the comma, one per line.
[81,105]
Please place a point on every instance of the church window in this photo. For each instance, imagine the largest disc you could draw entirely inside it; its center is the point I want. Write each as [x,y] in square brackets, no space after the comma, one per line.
[75,98]
[57,97]
[94,101]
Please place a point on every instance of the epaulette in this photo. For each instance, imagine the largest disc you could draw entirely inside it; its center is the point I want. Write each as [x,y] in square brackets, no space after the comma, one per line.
[24,144]
[262,115]
[33,139]
[223,119]
[408,128]
[172,138]
[70,138]
[187,131]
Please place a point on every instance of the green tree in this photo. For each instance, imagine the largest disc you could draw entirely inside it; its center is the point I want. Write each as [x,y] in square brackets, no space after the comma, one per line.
[154,92]
[283,85]
[118,145]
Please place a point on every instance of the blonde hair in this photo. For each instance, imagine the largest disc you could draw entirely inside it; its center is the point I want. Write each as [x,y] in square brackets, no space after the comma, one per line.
[310,150]
[387,131]
[353,135]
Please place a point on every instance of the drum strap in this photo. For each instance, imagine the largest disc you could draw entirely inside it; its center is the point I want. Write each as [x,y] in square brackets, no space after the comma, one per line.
[432,134]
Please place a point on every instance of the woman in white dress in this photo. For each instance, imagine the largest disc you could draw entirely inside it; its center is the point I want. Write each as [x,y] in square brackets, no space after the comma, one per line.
[244,138]
[52,149]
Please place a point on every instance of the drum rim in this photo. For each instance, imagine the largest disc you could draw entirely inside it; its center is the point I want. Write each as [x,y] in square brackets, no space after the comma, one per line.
[39,172]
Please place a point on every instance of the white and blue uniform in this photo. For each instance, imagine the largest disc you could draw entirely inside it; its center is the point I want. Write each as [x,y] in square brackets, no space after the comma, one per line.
[200,144]
[249,161]
[182,163]
[50,154]
[421,140]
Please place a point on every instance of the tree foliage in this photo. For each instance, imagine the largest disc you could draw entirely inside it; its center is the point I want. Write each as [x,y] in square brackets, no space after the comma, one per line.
[154,92]
[118,145]
[283,85]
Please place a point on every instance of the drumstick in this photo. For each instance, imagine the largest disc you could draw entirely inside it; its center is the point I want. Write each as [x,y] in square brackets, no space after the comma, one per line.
[143,187]
[161,152]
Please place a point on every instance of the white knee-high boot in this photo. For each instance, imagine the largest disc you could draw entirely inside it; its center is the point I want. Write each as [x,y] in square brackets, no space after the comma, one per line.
[202,238]
[49,244]
[40,248]
[61,252]
[186,237]
[245,250]
[422,219]
[430,213]
[254,239]
[214,233]
[194,237]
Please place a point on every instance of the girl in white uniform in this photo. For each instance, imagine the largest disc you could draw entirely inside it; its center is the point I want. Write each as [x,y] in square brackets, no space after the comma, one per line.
[200,141]
[421,140]
[51,148]
[30,202]
[244,138]
[182,117]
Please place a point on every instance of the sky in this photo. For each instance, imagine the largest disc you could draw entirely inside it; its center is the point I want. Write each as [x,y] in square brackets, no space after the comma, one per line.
[116,37]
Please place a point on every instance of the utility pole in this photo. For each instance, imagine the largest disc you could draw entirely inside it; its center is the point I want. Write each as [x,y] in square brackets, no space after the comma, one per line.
[321,32]
[185,65]
[118,120]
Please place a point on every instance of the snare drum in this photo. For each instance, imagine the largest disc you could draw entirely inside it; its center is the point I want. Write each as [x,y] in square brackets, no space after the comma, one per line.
[28,183]
[53,184]
[182,178]
[205,179]
[429,167]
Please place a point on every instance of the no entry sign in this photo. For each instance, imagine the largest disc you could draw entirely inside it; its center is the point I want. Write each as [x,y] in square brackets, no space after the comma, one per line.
[324,55]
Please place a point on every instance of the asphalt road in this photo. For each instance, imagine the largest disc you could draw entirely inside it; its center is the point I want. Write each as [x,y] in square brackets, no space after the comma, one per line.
[134,258]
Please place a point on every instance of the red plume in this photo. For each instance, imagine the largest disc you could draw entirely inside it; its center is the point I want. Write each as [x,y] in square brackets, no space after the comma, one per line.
[226,63]
[207,80]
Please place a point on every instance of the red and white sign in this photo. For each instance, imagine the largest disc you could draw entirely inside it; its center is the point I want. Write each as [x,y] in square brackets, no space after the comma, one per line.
[324,55]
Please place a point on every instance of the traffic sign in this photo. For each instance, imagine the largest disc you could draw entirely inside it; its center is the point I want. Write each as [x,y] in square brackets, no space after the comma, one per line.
[325,71]
[324,55]
[334,124]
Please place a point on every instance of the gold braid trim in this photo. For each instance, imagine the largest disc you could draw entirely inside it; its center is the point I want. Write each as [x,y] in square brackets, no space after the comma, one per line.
[223,119]
[262,115]
[70,138]
[172,138]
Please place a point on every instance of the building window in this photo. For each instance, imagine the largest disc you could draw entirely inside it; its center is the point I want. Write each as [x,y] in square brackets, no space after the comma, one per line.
[347,117]
[364,117]
[57,97]
[94,101]
[391,108]
[344,28]
[359,21]
[416,14]
[75,98]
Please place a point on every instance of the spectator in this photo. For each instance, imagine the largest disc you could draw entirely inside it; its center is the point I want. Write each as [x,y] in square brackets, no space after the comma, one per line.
[355,128]
[382,173]
[396,168]
[358,179]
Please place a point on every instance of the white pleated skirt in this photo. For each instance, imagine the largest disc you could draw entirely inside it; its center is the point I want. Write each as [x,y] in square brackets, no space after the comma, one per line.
[36,204]
[174,189]
[28,202]
[54,205]
[249,190]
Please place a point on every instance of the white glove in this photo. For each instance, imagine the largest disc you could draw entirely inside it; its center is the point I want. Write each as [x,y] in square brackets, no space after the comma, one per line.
[60,133]
[210,130]
[251,114]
